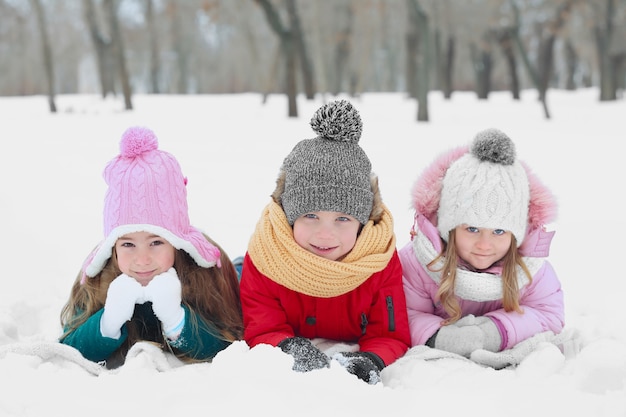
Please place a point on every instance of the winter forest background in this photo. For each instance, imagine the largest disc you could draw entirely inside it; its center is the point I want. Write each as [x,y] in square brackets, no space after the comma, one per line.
[126,47]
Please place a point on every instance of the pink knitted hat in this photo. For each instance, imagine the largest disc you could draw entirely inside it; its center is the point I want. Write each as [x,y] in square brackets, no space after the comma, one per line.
[147,192]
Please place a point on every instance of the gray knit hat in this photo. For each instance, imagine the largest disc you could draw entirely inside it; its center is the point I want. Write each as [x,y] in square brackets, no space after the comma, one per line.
[330,172]
[486,187]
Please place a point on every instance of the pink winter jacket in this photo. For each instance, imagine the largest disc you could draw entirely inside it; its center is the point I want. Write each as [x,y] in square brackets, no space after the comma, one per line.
[541,301]
[480,293]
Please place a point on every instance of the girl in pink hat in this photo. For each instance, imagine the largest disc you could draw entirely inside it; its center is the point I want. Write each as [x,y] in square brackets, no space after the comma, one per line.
[476,277]
[154,277]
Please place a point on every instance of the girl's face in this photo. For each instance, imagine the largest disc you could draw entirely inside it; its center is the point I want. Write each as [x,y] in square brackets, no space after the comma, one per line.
[481,247]
[143,255]
[328,234]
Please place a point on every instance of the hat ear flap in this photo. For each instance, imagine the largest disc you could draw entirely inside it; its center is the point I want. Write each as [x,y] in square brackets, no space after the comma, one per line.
[280,188]
[377,203]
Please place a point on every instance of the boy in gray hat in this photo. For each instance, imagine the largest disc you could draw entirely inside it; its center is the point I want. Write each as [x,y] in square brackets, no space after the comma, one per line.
[321,266]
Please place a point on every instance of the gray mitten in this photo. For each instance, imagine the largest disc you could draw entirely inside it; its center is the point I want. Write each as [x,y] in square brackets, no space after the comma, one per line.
[491,335]
[365,365]
[511,356]
[460,340]
[467,335]
[306,356]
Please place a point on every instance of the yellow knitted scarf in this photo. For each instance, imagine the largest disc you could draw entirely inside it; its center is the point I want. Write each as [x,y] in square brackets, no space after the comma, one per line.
[276,255]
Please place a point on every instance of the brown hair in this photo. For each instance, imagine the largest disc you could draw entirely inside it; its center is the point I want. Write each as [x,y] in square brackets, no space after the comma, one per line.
[510,290]
[212,293]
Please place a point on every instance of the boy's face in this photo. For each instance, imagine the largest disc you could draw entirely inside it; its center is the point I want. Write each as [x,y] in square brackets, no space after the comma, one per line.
[143,255]
[328,234]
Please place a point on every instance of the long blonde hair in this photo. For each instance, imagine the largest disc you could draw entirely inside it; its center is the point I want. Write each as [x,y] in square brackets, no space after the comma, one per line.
[510,290]
[212,293]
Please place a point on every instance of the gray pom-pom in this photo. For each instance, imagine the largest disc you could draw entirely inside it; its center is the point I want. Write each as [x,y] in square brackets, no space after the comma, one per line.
[494,146]
[338,121]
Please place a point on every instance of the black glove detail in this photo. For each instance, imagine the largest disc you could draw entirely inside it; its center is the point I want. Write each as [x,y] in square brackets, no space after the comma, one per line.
[365,365]
[307,357]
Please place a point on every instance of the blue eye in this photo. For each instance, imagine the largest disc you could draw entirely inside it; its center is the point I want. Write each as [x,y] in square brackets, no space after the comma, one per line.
[309,216]
[472,229]
[343,219]
[499,232]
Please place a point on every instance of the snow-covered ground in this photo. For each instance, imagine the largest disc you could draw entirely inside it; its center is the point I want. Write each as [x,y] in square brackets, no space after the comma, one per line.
[231,147]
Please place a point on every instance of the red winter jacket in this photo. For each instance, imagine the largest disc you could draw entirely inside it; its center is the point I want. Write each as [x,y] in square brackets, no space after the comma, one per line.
[373,315]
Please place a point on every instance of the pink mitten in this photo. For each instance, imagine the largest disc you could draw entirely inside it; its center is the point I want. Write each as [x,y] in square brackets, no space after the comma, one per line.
[123,293]
[165,293]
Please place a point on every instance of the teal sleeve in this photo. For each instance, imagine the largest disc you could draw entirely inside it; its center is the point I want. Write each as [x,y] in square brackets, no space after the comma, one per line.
[201,342]
[88,340]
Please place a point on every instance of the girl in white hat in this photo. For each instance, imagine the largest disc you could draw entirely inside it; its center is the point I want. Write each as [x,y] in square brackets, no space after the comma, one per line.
[475,272]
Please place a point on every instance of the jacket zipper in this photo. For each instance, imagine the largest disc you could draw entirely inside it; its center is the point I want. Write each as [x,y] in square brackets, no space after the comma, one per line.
[363,323]
[390,312]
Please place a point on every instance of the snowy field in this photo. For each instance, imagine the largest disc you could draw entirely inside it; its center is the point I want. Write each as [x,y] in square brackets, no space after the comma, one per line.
[231,147]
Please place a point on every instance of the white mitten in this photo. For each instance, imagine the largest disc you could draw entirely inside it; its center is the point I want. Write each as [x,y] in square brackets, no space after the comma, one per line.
[461,340]
[123,293]
[492,338]
[165,292]
[491,335]
[511,356]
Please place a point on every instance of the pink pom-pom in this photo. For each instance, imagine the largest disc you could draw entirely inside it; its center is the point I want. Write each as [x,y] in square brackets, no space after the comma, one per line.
[137,140]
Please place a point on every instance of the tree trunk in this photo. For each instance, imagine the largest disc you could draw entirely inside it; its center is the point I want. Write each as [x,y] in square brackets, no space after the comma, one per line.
[420,20]
[503,37]
[178,44]
[447,69]
[154,49]
[546,57]
[118,52]
[571,62]
[411,62]
[525,60]
[342,50]
[47,53]
[102,48]
[301,51]
[603,42]
[286,40]
[483,65]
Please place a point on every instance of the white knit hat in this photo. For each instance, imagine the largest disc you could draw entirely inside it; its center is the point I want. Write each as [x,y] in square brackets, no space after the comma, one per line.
[487,188]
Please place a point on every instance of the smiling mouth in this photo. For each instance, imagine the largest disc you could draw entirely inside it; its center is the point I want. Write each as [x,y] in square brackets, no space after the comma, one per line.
[324,248]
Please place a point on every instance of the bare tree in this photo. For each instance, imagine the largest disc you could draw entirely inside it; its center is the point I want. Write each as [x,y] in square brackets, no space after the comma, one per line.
[532,72]
[604,33]
[482,63]
[118,52]
[46,51]
[301,50]
[504,38]
[102,45]
[154,49]
[286,39]
[419,49]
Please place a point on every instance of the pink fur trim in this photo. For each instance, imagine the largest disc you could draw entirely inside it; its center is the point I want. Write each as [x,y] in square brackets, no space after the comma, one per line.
[542,208]
[426,191]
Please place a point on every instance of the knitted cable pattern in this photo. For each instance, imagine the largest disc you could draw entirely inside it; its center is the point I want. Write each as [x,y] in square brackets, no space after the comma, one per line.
[276,255]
